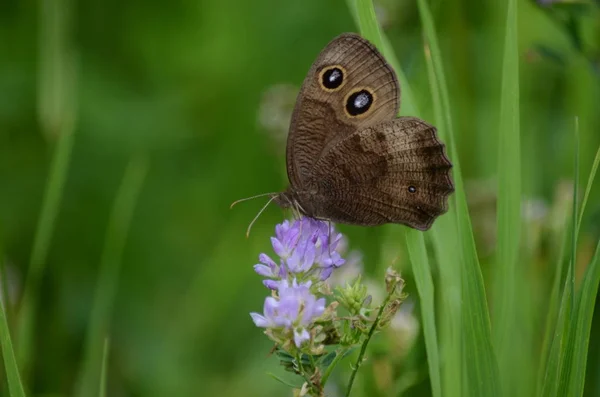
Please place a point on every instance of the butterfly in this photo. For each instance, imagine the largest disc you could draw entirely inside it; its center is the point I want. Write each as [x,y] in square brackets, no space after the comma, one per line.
[349,158]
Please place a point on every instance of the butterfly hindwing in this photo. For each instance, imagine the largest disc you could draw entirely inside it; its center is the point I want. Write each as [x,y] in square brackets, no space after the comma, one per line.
[393,172]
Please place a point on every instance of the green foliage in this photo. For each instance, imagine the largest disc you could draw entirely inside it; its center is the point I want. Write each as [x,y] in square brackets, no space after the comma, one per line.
[504,285]
[13,378]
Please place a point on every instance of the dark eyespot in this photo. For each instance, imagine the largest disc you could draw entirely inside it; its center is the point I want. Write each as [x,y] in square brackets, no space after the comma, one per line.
[359,102]
[412,189]
[332,78]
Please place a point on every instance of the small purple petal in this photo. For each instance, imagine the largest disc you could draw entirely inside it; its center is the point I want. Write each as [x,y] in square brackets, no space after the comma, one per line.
[293,262]
[259,320]
[326,273]
[266,259]
[271,284]
[282,272]
[301,335]
[264,271]
[320,306]
[278,247]
[270,307]
[309,258]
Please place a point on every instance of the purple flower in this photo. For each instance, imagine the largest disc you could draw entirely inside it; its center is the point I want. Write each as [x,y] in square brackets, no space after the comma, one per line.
[295,309]
[306,248]
[308,251]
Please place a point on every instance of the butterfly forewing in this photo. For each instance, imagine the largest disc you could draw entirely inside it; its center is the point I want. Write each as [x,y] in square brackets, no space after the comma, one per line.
[349,87]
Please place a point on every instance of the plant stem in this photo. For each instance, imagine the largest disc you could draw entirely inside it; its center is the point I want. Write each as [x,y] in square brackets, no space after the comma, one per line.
[363,348]
[304,374]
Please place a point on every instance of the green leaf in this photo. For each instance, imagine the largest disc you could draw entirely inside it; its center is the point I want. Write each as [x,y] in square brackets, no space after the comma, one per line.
[590,183]
[573,378]
[567,351]
[582,325]
[479,367]
[56,88]
[285,356]
[513,332]
[552,317]
[114,244]
[558,348]
[327,359]
[103,374]
[15,386]
[369,28]
[422,272]
[283,381]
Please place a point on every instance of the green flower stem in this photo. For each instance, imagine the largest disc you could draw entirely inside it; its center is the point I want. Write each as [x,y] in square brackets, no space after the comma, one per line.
[363,348]
[304,374]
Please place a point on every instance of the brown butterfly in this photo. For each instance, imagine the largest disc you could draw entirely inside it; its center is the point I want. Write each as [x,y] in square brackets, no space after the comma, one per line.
[349,158]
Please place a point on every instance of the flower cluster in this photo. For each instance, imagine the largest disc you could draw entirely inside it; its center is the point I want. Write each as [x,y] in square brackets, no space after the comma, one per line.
[310,337]
[308,252]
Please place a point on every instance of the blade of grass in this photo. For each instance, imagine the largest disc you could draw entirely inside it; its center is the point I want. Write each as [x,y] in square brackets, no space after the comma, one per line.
[114,244]
[575,207]
[553,313]
[588,188]
[15,386]
[480,372]
[558,369]
[446,244]
[367,22]
[57,79]
[582,325]
[509,186]
[511,336]
[4,287]
[104,373]
[567,354]
[551,382]
[417,252]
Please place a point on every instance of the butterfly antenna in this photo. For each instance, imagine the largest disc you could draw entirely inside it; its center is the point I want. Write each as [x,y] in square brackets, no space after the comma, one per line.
[253,197]
[257,215]
[329,236]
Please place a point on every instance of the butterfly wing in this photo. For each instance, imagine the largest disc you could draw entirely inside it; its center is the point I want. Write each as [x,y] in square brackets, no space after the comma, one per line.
[349,87]
[393,172]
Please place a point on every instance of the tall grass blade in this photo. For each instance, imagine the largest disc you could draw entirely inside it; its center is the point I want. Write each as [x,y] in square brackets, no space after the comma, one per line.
[575,214]
[114,244]
[104,373]
[582,325]
[558,371]
[479,367]
[15,386]
[556,358]
[415,240]
[57,79]
[585,299]
[446,244]
[367,23]
[424,282]
[512,337]
[590,183]
[567,355]
[552,317]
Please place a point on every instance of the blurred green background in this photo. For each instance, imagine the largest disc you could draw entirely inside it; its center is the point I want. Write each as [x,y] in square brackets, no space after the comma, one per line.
[189,100]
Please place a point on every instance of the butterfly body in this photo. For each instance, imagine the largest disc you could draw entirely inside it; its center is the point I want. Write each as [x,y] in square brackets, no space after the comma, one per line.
[349,158]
